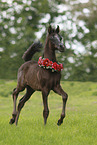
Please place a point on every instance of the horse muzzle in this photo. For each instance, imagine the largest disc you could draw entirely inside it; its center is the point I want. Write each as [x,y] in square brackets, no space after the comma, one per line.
[61,48]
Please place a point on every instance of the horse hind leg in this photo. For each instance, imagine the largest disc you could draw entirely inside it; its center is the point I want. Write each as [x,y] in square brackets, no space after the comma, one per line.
[15,95]
[22,101]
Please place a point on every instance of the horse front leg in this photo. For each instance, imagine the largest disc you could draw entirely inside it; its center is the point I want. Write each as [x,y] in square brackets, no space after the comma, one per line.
[64,95]
[45,103]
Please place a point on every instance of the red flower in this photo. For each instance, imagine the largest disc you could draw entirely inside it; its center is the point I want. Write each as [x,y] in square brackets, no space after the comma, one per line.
[60,67]
[40,61]
[54,66]
[46,62]
[50,63]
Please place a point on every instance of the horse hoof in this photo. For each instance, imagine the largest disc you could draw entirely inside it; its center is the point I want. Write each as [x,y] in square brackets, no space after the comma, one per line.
[59,122]
[11,121]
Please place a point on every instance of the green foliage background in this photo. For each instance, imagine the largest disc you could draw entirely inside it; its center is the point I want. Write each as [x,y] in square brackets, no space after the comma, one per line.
[20,20]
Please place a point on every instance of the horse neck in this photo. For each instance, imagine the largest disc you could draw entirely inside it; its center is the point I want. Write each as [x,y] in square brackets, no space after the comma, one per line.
[49,52]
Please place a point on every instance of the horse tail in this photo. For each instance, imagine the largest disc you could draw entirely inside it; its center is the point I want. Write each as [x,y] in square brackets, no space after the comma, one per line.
[28,54]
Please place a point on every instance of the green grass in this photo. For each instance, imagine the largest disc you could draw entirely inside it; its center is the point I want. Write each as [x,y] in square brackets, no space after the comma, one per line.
[79,127]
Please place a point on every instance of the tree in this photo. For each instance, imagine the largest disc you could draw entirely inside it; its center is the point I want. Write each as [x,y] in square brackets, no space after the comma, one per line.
[81,32]
[19,22]
[87,35]
[23,22]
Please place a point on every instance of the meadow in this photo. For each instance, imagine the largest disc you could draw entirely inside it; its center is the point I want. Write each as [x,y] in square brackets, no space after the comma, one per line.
[79,126]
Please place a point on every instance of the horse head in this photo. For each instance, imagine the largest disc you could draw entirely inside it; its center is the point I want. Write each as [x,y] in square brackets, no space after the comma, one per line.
[56,39]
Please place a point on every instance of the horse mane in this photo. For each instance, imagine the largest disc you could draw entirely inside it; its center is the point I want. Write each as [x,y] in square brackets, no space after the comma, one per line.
[28,54]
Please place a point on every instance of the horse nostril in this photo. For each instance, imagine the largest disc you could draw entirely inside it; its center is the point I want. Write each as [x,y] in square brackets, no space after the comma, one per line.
[62,47]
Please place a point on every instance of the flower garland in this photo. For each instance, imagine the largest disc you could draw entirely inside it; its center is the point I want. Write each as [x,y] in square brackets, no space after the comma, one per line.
[47,64]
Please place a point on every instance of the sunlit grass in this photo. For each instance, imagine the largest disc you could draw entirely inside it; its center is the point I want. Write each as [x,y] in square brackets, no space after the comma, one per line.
[79,127]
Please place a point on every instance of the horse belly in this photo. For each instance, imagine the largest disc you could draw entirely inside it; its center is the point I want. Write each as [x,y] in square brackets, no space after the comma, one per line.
[32,81]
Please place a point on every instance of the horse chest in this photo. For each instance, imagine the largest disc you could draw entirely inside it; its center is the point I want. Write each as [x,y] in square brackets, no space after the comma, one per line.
[49,79]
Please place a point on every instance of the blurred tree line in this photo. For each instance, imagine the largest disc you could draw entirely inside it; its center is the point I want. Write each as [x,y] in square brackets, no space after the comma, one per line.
[23,22]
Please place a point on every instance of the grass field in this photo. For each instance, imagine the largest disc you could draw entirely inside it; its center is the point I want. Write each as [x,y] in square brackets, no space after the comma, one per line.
[79,127]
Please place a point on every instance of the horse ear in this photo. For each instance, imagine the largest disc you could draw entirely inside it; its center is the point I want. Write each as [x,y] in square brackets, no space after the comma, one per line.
[58,29]
[50,30]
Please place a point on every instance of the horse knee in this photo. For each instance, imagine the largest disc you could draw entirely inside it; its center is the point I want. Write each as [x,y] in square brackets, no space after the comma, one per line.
[65,97]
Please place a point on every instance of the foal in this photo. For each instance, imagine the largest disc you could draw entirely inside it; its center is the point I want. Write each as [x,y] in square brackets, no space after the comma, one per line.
[35,77]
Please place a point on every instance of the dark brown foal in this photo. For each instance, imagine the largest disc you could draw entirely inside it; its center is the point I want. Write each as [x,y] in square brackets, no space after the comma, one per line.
[43,76]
